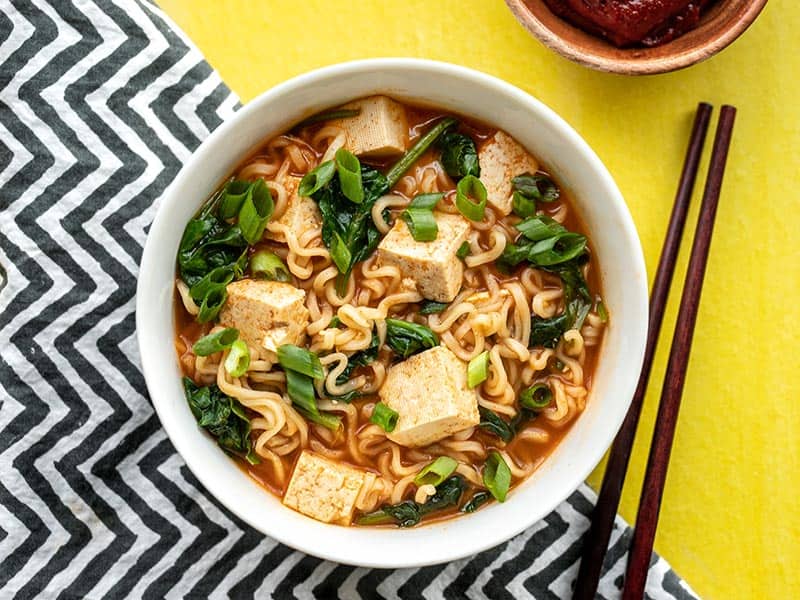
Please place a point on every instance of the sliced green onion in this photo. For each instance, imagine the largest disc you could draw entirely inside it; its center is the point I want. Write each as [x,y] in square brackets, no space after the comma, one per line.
[384,417]
[478,369]
[471,186]
[417,150]
[212,303]
[430,307]
[602,312]
[316,179]
[536,397]
[340,113]
[268,265]
[478,499]
[238,359]
[421,223]
[426,201]
[340,254]
[420,219]
[349,169]
[539,187]
[233,195]
[523,206]
[436,472]
[335,322]
[215,342]
[496,476]
[218,277]
[463,250]
[300,360]
[255,212]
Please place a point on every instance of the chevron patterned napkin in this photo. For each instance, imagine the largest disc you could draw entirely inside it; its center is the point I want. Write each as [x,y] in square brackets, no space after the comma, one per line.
[100,104]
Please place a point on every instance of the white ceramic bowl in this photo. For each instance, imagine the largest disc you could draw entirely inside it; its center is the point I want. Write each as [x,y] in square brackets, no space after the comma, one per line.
[618,253]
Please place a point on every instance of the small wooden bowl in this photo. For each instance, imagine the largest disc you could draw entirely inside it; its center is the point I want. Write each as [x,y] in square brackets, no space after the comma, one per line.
[721,24]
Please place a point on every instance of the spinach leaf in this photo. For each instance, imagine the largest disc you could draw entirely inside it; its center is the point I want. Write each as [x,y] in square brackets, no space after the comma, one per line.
[578,299]
[478,499]
[360,359]
[408,513]
[494,423]
[459,155]
[347,225]
[431,307]
[223,417]
[406,338]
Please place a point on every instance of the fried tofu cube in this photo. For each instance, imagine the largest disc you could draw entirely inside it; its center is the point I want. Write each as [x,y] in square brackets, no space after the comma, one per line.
[380,130]
[429,393]
[501,158]
[301,214]
[433,266]
[267,314]
[323,489]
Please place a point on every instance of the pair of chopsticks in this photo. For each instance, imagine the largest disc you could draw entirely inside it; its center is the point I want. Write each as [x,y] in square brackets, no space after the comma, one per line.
[596,543]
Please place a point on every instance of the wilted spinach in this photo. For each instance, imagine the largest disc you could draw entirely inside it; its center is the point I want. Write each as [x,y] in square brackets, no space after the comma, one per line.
[406,338]
[459,155]
[212,253]
[409,513]
[360,359]
[223,417]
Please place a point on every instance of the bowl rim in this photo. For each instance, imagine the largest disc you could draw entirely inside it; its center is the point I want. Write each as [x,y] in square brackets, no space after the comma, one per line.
[634,65]
[147,292]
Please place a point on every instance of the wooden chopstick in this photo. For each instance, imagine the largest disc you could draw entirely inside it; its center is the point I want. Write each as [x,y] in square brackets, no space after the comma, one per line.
[669,405]
[605,511]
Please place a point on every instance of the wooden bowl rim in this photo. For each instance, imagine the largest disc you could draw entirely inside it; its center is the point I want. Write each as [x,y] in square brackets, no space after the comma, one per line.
[634,65]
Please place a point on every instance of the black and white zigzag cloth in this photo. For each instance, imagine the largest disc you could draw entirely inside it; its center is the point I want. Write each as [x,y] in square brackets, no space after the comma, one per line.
[100,104]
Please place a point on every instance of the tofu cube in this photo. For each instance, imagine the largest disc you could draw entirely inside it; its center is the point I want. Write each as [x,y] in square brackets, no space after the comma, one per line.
[429,393]
[501,158]
[323,489]
[433,266]
[301,214]
[267,314]
[380,130]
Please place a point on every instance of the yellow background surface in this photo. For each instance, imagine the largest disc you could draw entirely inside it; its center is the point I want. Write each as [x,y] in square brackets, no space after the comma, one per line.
[730,523]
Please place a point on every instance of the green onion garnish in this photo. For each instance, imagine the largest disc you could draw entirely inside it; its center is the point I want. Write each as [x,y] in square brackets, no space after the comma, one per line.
[478,369]
[215,342]
[384,417]
[430,307]
[426,201]
[523,206]
[436,472]
[421,224]
[300,360]
[335,322]
[471,186]
[602,312]
[496,476]
[233,196]
[317,178]
[255,212]
[238,359]
[417,150]
[536,397]
[268,265]
[341,113]
[463,250]
[349,169]
[212,303]
[420,219]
